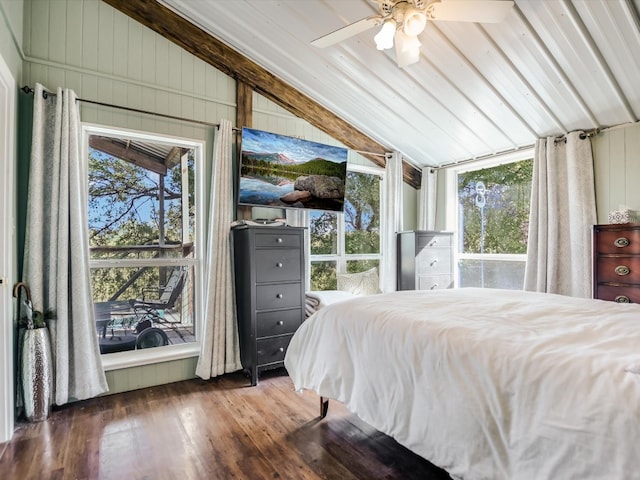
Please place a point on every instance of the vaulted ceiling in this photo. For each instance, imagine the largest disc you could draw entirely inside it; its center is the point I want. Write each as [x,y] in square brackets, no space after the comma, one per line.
[552,66]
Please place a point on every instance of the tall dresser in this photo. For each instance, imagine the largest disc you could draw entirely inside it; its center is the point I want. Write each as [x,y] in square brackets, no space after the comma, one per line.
[616,262]
[269,279]
[425,260]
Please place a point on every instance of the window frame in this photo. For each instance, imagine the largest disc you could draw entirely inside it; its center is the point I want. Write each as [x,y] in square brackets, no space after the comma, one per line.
[133,358]
[341,257]
[452,206]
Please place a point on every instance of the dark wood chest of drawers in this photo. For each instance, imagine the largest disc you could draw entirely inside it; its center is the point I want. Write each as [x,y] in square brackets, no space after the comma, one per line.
[425,260]
[269,280]
[616,262]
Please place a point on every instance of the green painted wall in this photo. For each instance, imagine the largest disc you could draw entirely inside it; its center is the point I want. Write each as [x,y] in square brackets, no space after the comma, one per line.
[11,24]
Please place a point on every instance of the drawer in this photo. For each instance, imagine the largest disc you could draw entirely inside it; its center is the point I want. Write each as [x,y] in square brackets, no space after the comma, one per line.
[434,261]
[278,322]
[612,269]
[619,293]
[278,239]
[435,240]
[272,350]
[623,241]
[278,265]
[283,295]
[434,282]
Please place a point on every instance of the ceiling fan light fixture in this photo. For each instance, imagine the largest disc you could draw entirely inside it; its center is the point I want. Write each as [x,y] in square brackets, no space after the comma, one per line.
[407,49]
[384,38]
[414,21]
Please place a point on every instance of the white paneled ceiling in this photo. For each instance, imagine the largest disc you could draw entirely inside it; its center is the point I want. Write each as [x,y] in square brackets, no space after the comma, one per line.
[551,67]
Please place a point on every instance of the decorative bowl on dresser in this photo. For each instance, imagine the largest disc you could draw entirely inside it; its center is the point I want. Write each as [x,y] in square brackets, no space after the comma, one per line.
[616,262]
[269,280]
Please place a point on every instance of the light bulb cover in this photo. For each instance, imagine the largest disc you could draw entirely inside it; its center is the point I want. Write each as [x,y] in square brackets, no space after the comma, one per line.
[414,21]
[407,49]
[384,38]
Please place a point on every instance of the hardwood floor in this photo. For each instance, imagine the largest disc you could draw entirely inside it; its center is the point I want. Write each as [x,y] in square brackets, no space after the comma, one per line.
[218,429]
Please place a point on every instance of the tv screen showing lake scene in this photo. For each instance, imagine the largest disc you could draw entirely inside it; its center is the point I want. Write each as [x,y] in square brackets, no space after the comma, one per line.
[287,172]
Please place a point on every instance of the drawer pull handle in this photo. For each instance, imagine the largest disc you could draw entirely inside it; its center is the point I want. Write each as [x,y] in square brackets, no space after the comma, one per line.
[434,286]
[622,270]
[280,322]
[279,240]
[279,295]
[433,242]
[279,264]
[433,262]
[622,299]
[281,349]
[622,242]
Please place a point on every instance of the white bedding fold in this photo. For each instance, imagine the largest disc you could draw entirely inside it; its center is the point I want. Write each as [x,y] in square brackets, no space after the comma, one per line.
[317,299]
[486,384]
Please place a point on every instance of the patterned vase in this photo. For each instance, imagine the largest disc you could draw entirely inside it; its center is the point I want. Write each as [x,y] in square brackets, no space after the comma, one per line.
[36,369]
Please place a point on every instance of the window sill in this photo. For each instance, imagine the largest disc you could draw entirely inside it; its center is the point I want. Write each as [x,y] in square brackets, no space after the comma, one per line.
[137,358]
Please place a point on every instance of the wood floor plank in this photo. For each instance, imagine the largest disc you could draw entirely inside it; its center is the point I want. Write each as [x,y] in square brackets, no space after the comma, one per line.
[218,429]
[268,431]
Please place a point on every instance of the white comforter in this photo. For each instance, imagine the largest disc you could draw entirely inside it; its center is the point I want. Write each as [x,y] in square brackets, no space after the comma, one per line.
[487,384]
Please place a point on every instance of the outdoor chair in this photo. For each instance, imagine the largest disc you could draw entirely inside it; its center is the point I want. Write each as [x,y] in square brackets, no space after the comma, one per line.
[156,310]
[124,333]
[109,341]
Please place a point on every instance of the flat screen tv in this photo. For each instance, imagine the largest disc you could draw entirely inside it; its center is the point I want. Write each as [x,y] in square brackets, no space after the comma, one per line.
[287,172]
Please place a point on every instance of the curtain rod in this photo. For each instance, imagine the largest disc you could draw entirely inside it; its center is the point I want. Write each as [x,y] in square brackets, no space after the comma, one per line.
[45,94]
[583,136]
[27,89]
[483,157]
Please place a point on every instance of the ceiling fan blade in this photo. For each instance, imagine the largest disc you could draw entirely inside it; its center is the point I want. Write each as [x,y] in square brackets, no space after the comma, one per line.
[480,11]
[347,31]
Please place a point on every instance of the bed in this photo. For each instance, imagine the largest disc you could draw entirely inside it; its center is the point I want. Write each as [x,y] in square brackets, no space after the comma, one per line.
[487,384]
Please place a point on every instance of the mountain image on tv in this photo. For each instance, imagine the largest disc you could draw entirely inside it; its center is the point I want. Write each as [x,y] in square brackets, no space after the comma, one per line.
[287,172]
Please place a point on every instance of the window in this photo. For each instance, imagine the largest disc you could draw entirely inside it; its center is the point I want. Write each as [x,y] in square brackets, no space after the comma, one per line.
[349,241]
[492,224]
[143,238]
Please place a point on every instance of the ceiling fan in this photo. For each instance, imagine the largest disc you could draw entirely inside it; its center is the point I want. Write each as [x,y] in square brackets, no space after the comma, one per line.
[403,20]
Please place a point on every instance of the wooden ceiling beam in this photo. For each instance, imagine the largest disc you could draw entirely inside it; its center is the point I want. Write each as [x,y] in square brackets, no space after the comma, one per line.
[199,43]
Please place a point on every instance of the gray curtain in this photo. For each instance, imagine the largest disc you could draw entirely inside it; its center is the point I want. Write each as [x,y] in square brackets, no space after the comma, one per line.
[220,352]
[56,263]
[393,220]
[563,210]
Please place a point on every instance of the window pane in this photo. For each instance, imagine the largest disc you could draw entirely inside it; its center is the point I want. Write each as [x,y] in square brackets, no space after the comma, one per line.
[494,208]
[140,194]
[356,266]
[323,232]
[491,274]
[127,298]
[323,276]
[142,207]
[362,213]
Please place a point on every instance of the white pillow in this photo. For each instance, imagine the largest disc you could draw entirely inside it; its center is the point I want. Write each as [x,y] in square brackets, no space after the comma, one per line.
[361,283]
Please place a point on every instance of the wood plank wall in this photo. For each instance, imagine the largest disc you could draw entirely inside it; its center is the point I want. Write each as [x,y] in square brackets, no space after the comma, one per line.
[105,56]
[616,154]
[11,13]
[144,376]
